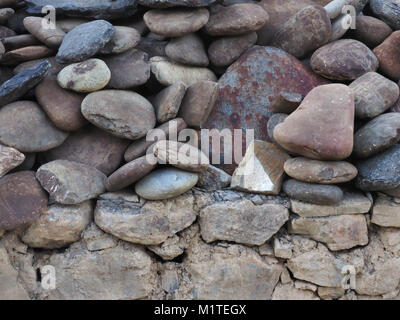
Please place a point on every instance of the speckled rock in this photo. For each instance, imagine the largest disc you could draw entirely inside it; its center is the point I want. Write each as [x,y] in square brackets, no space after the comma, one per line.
[124,39]
[50,37]
[371,31]
[386,212]
[168,101]
[69,182]
[345,59]
[84,41]
[10,158]
[388,11]
[188,49]
[380,172]
[87,76]
[176,22]
[214,179]
[377,135]
[165,184]
[22,200]
[388,54]
[125,114]
[24,126]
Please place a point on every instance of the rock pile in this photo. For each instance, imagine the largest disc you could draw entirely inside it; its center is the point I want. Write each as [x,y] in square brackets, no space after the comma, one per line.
[102,152]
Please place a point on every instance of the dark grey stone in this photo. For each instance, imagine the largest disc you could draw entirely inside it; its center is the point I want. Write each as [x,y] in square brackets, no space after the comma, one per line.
[388,11]
[275,119]
[175,3]
[21,83]
[84,41]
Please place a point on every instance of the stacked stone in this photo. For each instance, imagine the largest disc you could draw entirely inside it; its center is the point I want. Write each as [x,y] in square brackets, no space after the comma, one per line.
[79,99]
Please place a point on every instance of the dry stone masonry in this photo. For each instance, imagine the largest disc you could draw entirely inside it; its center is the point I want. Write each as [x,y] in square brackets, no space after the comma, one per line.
[107,176]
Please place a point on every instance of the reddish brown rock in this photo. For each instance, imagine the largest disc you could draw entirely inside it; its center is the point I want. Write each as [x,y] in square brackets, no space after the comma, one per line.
[322,127]
[22,200]
[345,59]
[51,37]
[371,31]
[25,54]
[388,54]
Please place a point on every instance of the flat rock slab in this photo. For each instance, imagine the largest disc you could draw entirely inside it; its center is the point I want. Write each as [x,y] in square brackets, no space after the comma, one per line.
[386,212]
[242,222]
[70,182]
[149,223]
[22,200]
[352,203]
[98,9]
[24,126]
[21,83]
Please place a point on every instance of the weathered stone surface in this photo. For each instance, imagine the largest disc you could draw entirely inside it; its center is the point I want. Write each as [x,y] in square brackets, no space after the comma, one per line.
[315,26]
[84,41]
[386,212]
[55,67]
[352,203]
[322,127]
[338,233]
[93,147]
[273,121]
[61,106]
[188,49]
[149,223]
[373,94]
[371,31]
[327,293]
[282,248]
[129,174]
[124,114]
[165,184]
[380,172]
[124,38]
[10,158]
[388,11]
[21,83]
[129,69]
[388,54]
[24,126]
[242,221]
[87,76]
[214,179]
[223,51]
[22,200]
[58,226]
[181,155]
[98,9]
[153,47]
[377,135]
[246,104]
[313,193]
[261,170]
[324,172]
[198,103]
[289,292]
[344,59]
[25,54]
[19,41]
[176,22]
[393,192]
[236,19]
[169,73]
[51,37]
[67,24]
[70,182]
[286,102]
[5,14]
[96,240]
[169,249]
[175,3]
[168,101]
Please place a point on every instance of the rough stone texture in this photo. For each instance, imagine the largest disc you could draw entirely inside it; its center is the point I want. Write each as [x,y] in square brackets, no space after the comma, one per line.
[124,114]
[273,121]
[323,172]
[176,22]
[22,200]
[344,59]
[175,3]
[98,9]
[338,233]
[124,38]
[373,94]
[129,69]
[24,126]
[386,212]
[393,192]
[50,37]
[21,83]
[322,127]
[165,183]
[84,41]
[169,73]
[70,182]
[168,101]
[388,53]
[261,170]
[352,203]
[224,51]
[93,147]
[315,26]
[286,102]
[188,49]
[58,226]
[10,158]
[289,292]
[380,172]
[371,31]
[388,11]
[313,193]
[242,221]
[150,223]
[214,179]
[377,135]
